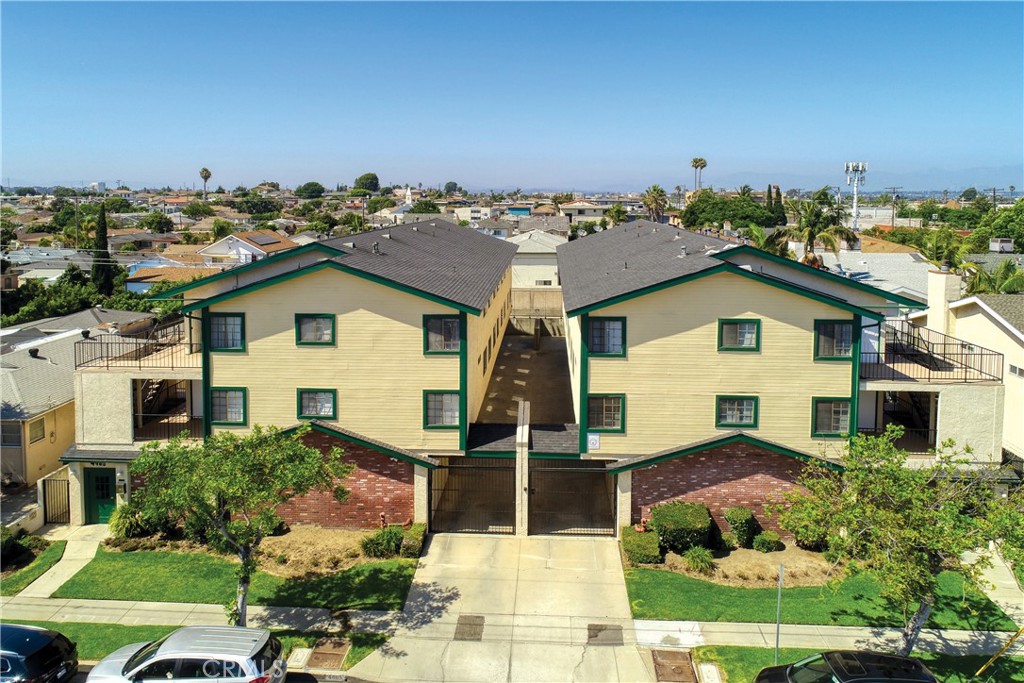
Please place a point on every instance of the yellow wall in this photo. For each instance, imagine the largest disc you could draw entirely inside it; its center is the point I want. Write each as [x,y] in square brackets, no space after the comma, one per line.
[483,332]
[377,365]
[673,369]
[573,347]
[42,457]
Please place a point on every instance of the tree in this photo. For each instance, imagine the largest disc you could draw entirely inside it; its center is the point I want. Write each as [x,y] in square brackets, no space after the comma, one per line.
[205,174]
[905,524]
[310,190]
[451,187]
[655,200]
[969,195]
[233,485]
[198,210]
[1005,278]
[102,262]
[560,198]
[820,219]
[695,163]
[353,221]
[359,192]
[156,222]
[425,206]
[375,204]
[774,243]
[746,191]
[222,228]
[115,205]
[779,209]
[1004,222]
[259,205]
[699,164]
[679,195]
[617,214]
[367,181]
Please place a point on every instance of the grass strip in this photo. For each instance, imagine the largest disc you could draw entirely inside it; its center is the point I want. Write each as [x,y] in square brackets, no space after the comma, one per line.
[17,581]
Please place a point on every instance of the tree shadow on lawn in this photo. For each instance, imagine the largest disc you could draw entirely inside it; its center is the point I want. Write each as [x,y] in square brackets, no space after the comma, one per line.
[972,612]
[370,586]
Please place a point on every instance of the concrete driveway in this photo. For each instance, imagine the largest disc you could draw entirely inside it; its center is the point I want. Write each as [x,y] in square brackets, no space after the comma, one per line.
[502,608]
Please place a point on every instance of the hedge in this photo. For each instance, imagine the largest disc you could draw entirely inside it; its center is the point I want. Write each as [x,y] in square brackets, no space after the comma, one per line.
[743,525]
[767,542]
[641,548]
[681,526]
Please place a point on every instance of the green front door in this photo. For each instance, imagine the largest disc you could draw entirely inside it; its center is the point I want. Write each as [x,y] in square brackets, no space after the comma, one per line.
[99,494]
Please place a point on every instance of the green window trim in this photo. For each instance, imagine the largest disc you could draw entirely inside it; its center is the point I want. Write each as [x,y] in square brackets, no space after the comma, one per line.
[722,346]
[214,317]
[310,416]
[299,317]
[850,419]
[37,430]
[743,425]
[621,429]
[427,424]
[427,351]
[590,341]
[818,324]
[245,407]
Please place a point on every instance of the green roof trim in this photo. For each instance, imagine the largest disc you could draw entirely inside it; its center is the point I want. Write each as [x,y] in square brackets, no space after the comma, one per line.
[635,463]
[889,296]
[372,445]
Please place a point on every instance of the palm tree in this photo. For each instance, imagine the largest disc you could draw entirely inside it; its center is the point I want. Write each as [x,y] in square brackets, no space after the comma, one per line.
[696,163]
[774,243]
[205,174]
[746,191]
[1012,190]
[943,247]
[679,195]
[655,200]
[700,167]
[617,214]
[819,220]
[1005,278]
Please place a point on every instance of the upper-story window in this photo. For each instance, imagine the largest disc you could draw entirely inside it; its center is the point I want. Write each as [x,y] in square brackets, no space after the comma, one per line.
[739,335]
[314,329]
[10,434]
[441,409]
[227,332]
[37,430]
[318,403]
[831,417]
[833,339]
[606,413]
[607,337]
[441,334]
[736,411]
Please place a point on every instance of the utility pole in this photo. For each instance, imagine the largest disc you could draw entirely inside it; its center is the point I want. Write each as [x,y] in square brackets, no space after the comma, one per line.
[993,190]
[894,189]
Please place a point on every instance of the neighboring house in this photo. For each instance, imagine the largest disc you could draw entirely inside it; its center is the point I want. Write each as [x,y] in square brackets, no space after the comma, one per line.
[306,237]
[9,281]
[245,247]
[582,211]
[475,213]
[904,273]
[536,263]
[492,228]
[184,254]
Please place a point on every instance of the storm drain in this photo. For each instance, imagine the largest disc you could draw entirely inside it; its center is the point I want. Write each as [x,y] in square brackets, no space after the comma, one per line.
[604,634]
[469,627]
[675,666]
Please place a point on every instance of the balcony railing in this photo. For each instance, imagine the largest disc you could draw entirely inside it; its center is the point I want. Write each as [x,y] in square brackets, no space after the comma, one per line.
[908,353]
[164,427]
[165,348]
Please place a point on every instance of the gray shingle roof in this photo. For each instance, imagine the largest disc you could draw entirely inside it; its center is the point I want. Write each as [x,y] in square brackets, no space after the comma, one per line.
[544,438]
[32,386]
[87,319]
[342,432]
[630,257]
[436,257]
[1009,306]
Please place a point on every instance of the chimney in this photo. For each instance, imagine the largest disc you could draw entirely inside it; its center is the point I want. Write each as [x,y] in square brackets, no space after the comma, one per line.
[85,334]
[34,353]
[943,289]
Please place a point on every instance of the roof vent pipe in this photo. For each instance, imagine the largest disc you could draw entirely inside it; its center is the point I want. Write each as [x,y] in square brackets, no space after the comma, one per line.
[682,251]
[85,334]
[376,248]
[34,353]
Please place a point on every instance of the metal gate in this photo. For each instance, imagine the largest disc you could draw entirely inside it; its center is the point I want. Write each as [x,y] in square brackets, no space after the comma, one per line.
[56,501]
[473,495]
[571,498]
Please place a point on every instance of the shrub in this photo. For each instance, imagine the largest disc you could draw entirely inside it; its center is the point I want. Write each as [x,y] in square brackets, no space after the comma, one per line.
[729,541]
[743,525]
[767,542]
[198,530]
[412,540]
[699,559]
[8,541]
[384,543]
[641,548]
[681,526]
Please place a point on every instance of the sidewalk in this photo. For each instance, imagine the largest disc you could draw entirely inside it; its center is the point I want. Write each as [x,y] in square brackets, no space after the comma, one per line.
[82,544]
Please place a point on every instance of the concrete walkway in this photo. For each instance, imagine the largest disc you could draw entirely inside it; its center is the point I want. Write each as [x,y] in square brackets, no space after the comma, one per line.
[1003,589]
[83,542]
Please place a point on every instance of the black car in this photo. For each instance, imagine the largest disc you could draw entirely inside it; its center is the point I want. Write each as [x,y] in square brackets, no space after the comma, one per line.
[35,655]
[849,666]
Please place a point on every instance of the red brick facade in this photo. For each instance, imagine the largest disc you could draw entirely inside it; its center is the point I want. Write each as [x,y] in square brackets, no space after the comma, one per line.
[378,484]
[724,477]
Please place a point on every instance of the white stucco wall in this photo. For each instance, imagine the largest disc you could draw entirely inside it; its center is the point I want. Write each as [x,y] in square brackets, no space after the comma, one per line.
[103,409]
[971,414]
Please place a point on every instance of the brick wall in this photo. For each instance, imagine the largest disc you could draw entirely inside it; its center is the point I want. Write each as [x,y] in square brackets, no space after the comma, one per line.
[727,476]
[378,484]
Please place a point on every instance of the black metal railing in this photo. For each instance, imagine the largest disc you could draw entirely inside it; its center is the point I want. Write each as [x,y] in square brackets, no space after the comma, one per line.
[163,347]
[908,353]
[164,427]
[914,441]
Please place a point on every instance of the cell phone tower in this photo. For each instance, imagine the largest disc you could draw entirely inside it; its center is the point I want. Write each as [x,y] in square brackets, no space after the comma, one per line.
[855,171]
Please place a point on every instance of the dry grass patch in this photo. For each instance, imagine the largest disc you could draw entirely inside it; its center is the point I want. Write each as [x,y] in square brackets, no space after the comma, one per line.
[752,569]
[309,549]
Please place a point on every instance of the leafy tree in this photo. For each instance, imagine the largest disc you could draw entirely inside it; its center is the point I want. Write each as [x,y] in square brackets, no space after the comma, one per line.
[222,228]
[102,261]
[982,203]
[25,191]
[1004,222]
[198,210]
[117,205]
[560,198]
[779,209]
[905,524]
[205,174]
[451,187]
[259,205]
[367,181]
[220,190]
[655,201]
[310,190]
[156,222]
[233,485]
[359,192]
[375,204]
[240,191]
[969,195]
[425,206]
[353,221]
[617,214]
[127,247]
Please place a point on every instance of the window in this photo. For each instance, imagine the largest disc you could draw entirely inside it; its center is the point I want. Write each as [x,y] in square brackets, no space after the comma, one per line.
[37,430]
[314,329]
[227,332]
[739,335]
[606,413]
[607,337]
[227,405]
[318,403]
[542,283]
[833,340]
[831,417]
[440,410]
[10,434]
[441,334]
[159,670]
[736,411]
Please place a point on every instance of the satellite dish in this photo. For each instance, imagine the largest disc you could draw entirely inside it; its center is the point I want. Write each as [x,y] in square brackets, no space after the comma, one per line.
[581,233]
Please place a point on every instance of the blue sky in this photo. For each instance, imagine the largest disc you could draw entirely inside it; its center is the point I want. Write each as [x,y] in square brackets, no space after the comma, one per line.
[585,96]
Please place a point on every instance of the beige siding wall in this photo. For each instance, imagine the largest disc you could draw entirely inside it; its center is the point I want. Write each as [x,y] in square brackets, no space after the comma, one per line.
[573,344]
[484,333]
[377,365]
[673,370]
[43,456]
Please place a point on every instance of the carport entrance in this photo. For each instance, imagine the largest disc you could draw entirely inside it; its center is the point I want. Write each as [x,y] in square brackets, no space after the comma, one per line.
[473,495]
[571,498]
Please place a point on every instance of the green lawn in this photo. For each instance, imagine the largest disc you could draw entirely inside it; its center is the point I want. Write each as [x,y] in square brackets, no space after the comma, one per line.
[741,664]
[17,581]
[163,576]
[659,594]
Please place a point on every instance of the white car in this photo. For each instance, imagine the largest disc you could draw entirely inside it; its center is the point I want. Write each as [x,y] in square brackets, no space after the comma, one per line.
[197,653]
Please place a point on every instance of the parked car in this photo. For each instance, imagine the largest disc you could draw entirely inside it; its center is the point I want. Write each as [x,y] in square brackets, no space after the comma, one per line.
[29,654]
[849,666]
[229,654]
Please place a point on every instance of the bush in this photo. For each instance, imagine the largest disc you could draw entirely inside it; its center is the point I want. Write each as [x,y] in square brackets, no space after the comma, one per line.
[767,542]
[743,525]
[8,541]
[641,548]
[729,541]
[699,559]
[384,543]
[127,521]
[681,526]
[412,540]
[129,545]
